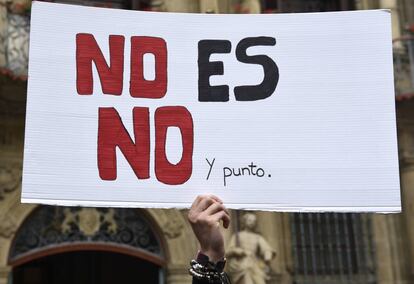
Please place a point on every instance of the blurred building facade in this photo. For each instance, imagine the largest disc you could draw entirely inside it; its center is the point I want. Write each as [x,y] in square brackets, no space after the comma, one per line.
[45,244]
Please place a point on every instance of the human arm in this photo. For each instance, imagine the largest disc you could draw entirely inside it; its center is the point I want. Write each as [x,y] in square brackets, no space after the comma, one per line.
[205,215]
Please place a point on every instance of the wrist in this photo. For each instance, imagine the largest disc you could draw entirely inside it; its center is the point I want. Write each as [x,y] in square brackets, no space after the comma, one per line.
[205,261]
[214,255]
[207,271]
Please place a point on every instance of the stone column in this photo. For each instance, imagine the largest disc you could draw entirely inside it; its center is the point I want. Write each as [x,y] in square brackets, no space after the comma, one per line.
[383,254]
[3,28]
[365,4]
[4,274]
[407,186]
[392,5]
[390,243]
[406,145]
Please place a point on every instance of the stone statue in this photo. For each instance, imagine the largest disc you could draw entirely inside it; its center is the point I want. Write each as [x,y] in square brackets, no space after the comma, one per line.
[249,254]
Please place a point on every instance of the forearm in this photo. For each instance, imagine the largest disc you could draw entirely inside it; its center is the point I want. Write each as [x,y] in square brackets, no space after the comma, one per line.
[205,216]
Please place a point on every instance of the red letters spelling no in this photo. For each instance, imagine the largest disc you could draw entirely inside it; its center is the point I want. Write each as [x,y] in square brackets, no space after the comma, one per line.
[112,134]
[88,51]
[111,131]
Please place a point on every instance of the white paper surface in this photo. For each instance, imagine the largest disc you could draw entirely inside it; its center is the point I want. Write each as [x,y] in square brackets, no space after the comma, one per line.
[326,137]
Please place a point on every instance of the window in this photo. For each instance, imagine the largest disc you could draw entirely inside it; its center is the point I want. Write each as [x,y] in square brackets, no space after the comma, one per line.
[332,248]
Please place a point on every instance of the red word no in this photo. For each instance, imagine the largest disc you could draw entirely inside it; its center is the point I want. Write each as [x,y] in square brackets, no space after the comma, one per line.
[111,131]
[112,134]
[112,75]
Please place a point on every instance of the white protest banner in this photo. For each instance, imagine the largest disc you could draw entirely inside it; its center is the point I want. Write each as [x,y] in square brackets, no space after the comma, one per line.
[287,112]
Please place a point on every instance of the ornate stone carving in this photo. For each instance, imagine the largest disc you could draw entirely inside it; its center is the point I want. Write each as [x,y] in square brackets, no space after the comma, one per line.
[7,226]
[249,254]
[50,226]
[88,220]
[173,228]
[70,218]
[109,219]
[10,178]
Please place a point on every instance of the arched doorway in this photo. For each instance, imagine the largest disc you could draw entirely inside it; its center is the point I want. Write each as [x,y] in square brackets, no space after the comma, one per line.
[86,245]
[87,267]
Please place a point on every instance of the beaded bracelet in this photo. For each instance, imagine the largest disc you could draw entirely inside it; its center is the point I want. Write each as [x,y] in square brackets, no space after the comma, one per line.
[208,273]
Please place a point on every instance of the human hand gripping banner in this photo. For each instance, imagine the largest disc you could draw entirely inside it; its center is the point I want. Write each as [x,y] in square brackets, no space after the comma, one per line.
[283,112]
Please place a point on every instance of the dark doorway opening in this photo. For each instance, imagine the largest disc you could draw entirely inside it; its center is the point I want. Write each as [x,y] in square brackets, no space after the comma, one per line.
[87,267]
